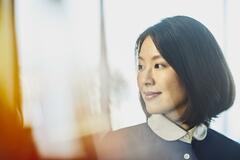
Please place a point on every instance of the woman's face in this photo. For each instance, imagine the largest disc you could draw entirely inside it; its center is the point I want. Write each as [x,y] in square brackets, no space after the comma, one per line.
[159,85]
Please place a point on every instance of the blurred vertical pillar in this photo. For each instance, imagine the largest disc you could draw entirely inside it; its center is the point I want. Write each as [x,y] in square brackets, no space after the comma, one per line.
[104,72]
[15,141]
[10,98]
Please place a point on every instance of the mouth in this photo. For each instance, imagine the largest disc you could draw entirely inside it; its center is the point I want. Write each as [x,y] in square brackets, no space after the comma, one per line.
[151,95]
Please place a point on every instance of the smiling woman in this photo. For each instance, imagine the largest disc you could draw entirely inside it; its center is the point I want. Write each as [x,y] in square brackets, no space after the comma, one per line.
[160,87]
[181,74]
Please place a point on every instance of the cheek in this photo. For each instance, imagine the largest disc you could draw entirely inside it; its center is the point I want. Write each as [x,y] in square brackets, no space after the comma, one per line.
[174,88]
[178,92]
[139,80]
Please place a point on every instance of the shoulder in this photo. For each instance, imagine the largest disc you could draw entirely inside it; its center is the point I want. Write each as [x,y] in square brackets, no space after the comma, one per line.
[125,135]
[216,146]
[129,131]
[215,136]
[116,144]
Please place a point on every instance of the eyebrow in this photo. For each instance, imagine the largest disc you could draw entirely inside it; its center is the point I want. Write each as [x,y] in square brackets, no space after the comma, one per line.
[153,58]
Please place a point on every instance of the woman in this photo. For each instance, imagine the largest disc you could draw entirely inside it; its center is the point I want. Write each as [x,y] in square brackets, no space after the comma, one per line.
[184,82]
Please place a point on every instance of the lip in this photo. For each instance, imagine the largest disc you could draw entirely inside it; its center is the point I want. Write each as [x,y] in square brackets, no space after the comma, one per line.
[151,95]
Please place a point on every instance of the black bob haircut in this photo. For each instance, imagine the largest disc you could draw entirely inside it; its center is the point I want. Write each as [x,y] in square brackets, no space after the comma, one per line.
[192,51]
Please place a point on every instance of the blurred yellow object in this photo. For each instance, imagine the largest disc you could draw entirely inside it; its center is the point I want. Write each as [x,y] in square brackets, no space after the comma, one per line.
[16,141]
[10,97]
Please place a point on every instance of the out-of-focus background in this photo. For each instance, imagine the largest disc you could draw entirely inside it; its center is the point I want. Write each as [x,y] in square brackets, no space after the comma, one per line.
[73,67]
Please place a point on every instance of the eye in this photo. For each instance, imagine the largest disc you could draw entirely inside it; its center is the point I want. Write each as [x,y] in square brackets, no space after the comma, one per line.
[140,67]
[159,66]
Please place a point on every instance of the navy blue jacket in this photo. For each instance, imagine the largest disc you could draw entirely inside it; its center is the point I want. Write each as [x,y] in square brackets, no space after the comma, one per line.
[216,146]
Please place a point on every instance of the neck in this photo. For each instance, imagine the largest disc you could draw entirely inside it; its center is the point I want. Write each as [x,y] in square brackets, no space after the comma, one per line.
[175,116]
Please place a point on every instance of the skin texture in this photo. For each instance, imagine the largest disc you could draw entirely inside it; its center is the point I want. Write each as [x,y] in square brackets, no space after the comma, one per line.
[159,85]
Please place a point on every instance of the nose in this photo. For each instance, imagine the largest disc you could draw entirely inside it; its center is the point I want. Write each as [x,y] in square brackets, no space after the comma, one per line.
[148,78]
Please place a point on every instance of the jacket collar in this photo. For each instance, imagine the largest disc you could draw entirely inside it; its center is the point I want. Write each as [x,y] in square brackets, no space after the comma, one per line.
[170,131]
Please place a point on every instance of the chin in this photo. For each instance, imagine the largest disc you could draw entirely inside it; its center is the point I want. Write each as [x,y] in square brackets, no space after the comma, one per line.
[156,110]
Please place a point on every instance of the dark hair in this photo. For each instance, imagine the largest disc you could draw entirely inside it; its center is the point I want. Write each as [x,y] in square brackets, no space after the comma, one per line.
[192,51]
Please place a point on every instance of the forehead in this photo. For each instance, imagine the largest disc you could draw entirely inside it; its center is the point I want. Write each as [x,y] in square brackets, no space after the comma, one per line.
[148,49]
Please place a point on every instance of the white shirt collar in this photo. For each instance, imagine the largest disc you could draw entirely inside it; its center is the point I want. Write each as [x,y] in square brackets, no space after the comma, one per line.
[170,131]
